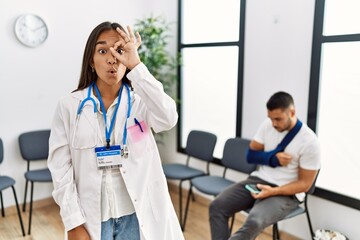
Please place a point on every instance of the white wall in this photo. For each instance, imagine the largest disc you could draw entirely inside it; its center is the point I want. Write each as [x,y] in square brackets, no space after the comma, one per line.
[278,42]
[33,79]
[277,55]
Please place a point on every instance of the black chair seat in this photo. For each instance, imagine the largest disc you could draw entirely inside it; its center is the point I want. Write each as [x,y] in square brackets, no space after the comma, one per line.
[40,175]
[211,185]
[180,171]
[6,182]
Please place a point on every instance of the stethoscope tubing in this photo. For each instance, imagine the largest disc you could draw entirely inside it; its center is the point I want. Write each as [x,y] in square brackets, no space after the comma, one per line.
[107,132]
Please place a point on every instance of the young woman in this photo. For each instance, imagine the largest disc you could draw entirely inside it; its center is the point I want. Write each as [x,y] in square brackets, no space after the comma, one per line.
[106,169]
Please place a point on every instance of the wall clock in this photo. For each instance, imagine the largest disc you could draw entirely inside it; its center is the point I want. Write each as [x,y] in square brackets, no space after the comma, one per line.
[31,30]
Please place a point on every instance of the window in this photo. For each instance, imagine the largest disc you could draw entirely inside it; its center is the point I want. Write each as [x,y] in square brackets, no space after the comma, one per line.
[211,47]
[203,78]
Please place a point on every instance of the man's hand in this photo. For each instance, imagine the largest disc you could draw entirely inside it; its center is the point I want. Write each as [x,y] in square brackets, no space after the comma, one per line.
[78,233]
[284,158]
[266,191]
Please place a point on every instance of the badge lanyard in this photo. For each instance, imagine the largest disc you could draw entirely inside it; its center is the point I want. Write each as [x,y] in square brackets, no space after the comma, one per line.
[124,150]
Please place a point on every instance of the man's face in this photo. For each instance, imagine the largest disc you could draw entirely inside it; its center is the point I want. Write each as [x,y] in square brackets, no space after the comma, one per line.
[281,118]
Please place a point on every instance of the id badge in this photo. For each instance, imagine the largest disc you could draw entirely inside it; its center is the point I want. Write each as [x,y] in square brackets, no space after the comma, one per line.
[108,157]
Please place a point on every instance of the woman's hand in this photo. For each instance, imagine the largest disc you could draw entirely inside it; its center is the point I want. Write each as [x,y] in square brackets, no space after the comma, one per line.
[78,233]
[125,50]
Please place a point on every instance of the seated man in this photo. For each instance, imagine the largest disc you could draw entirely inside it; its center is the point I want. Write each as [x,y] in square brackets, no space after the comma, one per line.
[288,155]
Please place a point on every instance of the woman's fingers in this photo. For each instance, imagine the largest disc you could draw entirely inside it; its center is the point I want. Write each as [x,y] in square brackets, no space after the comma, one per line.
[129,37]
[125,50]
[138,39]
[123,35]
[115,53]
[126,38]
[131,33]
[117,45]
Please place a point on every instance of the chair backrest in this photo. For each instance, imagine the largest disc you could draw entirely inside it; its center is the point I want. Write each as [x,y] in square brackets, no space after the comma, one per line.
[312,188]
[234,155]
[201,145]
[34,145]
[1,151]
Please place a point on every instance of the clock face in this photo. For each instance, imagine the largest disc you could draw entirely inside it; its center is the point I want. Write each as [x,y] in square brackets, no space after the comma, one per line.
[31,30]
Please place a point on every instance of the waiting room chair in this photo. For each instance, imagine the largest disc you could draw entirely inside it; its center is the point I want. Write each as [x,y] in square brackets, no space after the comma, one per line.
[199,145]
[296,212]
[34,146]
[6,182]
[234,157]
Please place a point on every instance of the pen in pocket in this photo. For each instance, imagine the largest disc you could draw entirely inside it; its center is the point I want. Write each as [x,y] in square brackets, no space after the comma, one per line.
[138,123]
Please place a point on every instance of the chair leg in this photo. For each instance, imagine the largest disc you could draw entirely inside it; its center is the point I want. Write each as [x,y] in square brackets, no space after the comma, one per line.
[18,211]
[24,203]
[2,205]
[309,221]
[193,197]
[31,206]
[276,235]
[180,203]
[187,207]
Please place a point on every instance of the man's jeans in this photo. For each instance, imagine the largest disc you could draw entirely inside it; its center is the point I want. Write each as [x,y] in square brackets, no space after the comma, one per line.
[235,198]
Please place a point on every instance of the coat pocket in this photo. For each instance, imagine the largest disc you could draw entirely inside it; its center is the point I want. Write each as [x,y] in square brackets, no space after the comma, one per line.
[138,135]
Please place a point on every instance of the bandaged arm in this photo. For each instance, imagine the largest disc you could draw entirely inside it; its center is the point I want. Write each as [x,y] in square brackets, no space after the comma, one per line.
[256,155]
[264,158]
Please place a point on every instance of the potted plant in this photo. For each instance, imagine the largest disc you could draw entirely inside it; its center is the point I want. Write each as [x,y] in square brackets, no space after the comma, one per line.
[155,35]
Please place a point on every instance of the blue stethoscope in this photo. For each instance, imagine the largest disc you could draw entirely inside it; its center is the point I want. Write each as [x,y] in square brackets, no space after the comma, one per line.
[107,131]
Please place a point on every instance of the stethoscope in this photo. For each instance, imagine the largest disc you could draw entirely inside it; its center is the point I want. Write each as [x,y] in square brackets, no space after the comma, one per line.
[107,131]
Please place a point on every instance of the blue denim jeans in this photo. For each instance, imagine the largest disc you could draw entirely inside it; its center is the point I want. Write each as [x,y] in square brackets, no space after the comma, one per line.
[122,228]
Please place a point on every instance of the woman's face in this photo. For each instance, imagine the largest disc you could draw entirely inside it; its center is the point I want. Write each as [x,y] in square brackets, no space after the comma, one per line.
[108,69]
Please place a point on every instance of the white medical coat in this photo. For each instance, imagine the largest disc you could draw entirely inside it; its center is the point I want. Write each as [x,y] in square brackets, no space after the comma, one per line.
[76,178]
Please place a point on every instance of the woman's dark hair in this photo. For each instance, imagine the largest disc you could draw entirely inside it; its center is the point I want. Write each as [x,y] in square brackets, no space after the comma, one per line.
[87,76]
[280,100]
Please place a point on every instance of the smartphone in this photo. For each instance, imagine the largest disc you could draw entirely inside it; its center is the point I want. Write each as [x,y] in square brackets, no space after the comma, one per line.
[252,188]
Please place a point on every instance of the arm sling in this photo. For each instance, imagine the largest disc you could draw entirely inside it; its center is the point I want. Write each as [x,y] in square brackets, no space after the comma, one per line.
[269,157]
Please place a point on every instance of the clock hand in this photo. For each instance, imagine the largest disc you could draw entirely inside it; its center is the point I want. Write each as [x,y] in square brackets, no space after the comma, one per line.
[35,29]
[27,26]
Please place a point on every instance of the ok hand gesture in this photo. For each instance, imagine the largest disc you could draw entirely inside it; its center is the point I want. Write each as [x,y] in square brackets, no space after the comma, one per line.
[125,50]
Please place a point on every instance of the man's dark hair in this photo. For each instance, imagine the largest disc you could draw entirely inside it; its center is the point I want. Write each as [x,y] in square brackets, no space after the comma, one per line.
[280,100]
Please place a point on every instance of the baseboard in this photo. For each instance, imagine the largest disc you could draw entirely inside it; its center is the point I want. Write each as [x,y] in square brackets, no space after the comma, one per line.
[36,204]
